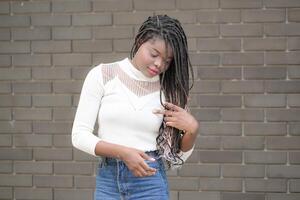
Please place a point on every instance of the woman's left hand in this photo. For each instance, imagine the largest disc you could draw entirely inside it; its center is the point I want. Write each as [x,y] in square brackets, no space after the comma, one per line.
[179,118]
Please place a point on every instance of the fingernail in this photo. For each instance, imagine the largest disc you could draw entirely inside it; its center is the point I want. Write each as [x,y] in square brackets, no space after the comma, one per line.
[152,159]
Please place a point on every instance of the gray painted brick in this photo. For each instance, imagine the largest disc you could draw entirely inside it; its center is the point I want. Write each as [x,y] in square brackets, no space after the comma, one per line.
[206,114]
[122,45]
[258,157]
[294,128]
[216,184]
[237,142]
[4,7]
[108,32]
[42,154]
[71,33]
[14,47]
[184,16]
[293,43]
[51,73]
[83,168]
[280,171]
[194,4]
[213,44]
[62,141]
[218,16]
[220,156]
[270,185]
[154,5]
[276,115]
[33,193]
[84,181]
[5,60]
[71,194]
[71,6]
[291,86]
[113,5]
[206,86]
[32,87]
[194,170]
[4,33]
[219,73]
[279,58]
[265,129]
[15,154]
[241,87]
[64,113]
[15,74]
[5,87]
[265,100]
[6,192]
[195,195]
[281,3]
[52,127]
[280,29]
[267,15]
[6,167]
[243,58]
[247,171]
[46,100]
[30,7]
[52,181]
[220,100]
[5,114]
[293,15]
[15,100]
[265,72]
[72,59]
[202,30]
[15,127]
[32,60]
[205,59]
[51,47]
[33,140]
[32,114]
[36,33]
[250,44]
[5,140]
[294,185]
[33,167]
[129,18]
[208,142]
[51,20]
[244,30]
[210,128]
[278,196]
[242,196]
[240,4]
[293,72]
[183,183]
[91,19]
[15,180]
[92,46]
[67,86]
[276,142]
[14,21]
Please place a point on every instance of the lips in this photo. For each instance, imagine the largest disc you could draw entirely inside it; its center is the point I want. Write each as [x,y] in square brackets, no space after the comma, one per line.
[153,71]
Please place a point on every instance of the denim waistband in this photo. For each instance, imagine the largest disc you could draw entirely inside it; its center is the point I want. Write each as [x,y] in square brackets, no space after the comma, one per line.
[109,160]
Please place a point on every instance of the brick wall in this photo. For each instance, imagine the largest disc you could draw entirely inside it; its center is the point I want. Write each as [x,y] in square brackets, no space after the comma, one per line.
[246,56]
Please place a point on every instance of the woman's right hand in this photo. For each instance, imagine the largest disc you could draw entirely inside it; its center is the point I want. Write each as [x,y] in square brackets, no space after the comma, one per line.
[135,161]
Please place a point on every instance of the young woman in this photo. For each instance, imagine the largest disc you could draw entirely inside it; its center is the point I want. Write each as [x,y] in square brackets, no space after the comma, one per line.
[141,106]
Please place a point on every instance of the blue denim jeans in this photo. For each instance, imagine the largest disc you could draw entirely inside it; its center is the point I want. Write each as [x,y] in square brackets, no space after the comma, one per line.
[115,181]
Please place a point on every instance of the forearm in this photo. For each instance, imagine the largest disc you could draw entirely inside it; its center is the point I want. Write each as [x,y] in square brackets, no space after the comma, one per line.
[110,150]
[189,138]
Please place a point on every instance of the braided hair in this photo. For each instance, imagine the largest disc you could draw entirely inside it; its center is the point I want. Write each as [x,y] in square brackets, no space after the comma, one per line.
[174,81]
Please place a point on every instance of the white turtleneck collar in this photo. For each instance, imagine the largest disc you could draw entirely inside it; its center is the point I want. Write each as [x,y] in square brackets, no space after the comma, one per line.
[133,72]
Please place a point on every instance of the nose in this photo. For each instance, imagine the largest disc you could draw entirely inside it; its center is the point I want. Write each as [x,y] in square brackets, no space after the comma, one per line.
[158,63]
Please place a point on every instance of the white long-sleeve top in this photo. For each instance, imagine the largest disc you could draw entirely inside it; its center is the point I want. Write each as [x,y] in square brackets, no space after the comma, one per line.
[123,100]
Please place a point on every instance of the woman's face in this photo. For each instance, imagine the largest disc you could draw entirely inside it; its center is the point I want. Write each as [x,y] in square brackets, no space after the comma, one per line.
[153,57]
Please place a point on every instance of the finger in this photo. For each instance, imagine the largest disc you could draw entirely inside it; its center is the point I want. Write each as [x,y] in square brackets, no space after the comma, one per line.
[171,106]
[146,157]
[158,111]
